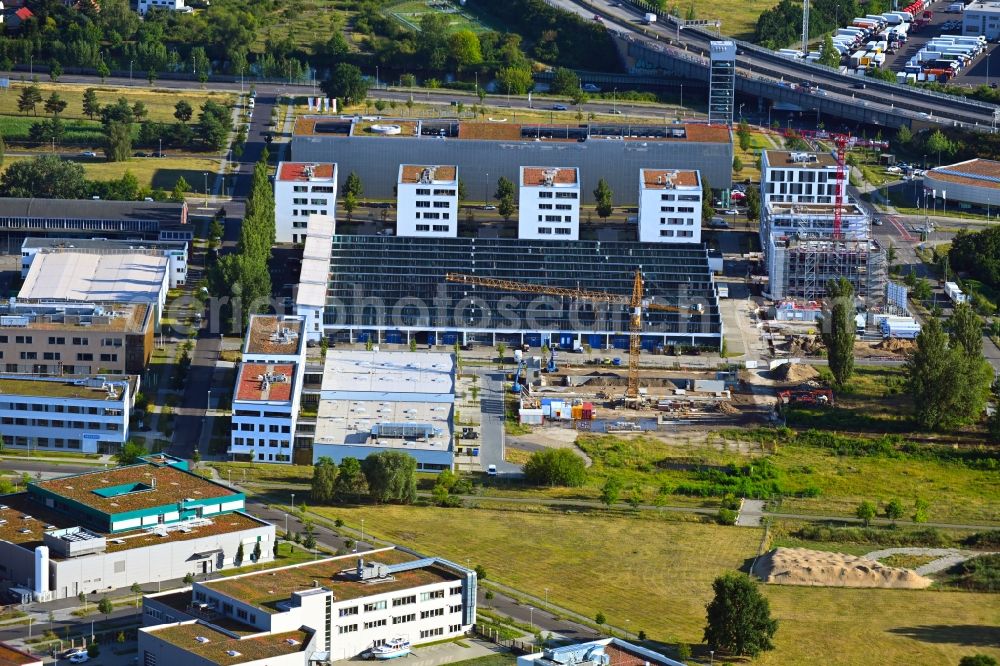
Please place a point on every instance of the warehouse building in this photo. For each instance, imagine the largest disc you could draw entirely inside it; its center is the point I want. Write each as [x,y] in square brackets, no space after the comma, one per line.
[548,203]
[86,218]
[669,206]
[103,530]
[603,652]
[313,613]
[302,189]
[175,251]
[483,151]
[75,338]
[982,19]
[78,414]
[387,401]
[80,277]
[965,184]
[393,290]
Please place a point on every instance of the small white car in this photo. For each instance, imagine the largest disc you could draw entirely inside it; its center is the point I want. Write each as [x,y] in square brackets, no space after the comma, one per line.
[491,470]
[79,658]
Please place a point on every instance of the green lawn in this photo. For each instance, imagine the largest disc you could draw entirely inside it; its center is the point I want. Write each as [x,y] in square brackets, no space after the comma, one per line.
[254,473]
[157,173]
[409,13]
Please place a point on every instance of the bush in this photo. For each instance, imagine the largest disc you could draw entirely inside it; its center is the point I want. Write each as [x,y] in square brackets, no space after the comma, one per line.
[984,540]
[555,467]
[726,517]
[929,537]
[981,574]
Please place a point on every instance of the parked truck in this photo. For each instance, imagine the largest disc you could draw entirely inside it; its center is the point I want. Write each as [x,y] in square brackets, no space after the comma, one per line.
[649,18]
[954,293]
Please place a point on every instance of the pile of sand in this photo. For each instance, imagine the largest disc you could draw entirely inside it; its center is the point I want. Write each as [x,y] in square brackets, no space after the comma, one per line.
[794,372]
[896,346]
[801,566]
[725,408]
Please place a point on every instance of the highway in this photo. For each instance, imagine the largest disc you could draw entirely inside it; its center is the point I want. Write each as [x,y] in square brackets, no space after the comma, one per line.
[754,62]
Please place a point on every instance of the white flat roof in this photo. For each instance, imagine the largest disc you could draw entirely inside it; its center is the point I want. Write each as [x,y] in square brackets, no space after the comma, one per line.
[321,225]
[311,294]
[398,372]
[77,276]
[315,271]
[351,422]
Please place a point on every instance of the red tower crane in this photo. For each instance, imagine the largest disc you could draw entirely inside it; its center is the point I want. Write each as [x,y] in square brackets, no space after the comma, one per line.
[840,141]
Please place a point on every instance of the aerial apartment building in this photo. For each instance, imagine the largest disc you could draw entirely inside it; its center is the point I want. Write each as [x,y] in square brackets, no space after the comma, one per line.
[427,201]
[549,203]
[302,189]
[313,613]
[79,414]
[669,206]
[268,389]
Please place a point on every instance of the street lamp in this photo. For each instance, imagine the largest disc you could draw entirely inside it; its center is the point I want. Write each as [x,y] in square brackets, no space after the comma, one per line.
[206,187]
[293,501]
[208,403]
[376,77]
[614,101]
[711,656]
[130,70]
[362,532]
[486,190]
[286,523]
[531,616]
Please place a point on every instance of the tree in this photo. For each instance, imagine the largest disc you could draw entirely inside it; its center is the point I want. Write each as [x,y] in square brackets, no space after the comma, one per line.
[599,619]
[102,70]
[866,512]
[346,83]
[949,386]
[464,49]
[938,143]
[611,491]
[904,136]
[391,477]
[480,572]
[130,453]
[214,125]
[514,80]
[55,104]
[55,69]
[683,651]
[966,330]
[565,82]
[739,617]
[603,195]
[488,595]
[506,207]
[136,590]
[82,598]
[105,606]
[707,211]
[29,98]
[188,578]
[183,111]
[838,329]
[349,203]
[354,186]
[139,111]
[463,194]
[555,467]
[91,107]
[978,660]
[181,187]
[47,177]
[324,481]
[505,188]
[737,164]
[828,54]
[351,482]
[255,555]
[921,509]
[753,203]
[239,554]
[894,509]
[117,141]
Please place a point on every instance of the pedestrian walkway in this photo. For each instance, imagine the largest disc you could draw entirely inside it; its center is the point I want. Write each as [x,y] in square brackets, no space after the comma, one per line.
[750,514]
[946,557]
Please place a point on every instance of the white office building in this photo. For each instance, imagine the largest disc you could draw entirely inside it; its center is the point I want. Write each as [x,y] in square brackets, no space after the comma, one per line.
[143,6]
[302,189]
[314,275]
[798,177]
[268,390]
[387,401]
[427,201]
[176,252]
[669,206]
[313,613]
[549,203]
[981,19]
[79,414]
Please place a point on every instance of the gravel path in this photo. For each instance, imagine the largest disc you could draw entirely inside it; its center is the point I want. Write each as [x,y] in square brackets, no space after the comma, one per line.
[946,557]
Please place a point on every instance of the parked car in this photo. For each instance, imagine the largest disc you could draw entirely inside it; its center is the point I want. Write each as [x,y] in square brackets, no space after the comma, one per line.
[590,87]
[717,223]
[558,107]
[88,153]
[491,470]
[488,207]
[73,651]
[615,112]
[80,658]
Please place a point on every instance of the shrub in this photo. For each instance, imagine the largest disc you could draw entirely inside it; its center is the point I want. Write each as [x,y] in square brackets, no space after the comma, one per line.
[555,467]
[726,517]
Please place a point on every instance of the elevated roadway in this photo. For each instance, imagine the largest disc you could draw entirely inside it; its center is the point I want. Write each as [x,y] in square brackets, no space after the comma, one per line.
[683,51]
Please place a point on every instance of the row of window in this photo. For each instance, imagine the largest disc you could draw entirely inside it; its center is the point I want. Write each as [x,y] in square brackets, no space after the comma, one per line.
[45,423]
[258,413]
[676,209]
[318,189]
[558,195]
[250,441]
[248,427]
[678,221]
[423,191]
[57,356]
[558,206]
[560,231]
[437,204]
[434,216]
[680,197]
[59,409]
[306,212]
[274,457]
[59,340]
[43,442]
[680,233]
[436,227]
[556,218]
[309,202]
[804,175]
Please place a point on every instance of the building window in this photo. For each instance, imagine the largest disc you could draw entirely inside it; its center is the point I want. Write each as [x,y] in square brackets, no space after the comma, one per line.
[563,231]
[440,227]
[347,629]
[378,605]
[423,191]
[423,227]
[544,195]
[456,590]
[423,204]
[376,623]
[436,594]
[428,633]
[56,341]
[566,195]
[344,612]
[23,339]
[544,230]
[431,613]
[403,601]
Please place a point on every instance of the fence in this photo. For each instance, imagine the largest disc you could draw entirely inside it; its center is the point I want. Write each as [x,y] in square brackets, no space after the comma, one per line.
[492,634]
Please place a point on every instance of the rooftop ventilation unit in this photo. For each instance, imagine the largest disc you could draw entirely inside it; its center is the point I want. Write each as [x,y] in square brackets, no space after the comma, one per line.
[427,175]
[308,171]
[201,639]
[549,177]
[804,158]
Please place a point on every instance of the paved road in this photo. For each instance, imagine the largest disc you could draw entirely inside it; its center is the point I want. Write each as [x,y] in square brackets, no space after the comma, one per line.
[946,557]
[751,513]
[491,404]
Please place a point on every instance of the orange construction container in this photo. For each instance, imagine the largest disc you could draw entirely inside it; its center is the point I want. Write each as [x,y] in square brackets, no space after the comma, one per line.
[577,411]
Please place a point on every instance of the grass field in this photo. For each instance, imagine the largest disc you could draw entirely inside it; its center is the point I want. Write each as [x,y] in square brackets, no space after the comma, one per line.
[409,13]
[157,173]
[306,21]
[671,563]
[657,574]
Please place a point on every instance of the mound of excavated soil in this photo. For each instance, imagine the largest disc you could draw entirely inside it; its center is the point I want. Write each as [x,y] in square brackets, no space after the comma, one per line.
[613,379]
[801,566]
[794,372]
[896,346]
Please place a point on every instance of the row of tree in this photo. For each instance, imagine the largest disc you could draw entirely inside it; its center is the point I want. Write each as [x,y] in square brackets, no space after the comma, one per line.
[49,177]
[387,476]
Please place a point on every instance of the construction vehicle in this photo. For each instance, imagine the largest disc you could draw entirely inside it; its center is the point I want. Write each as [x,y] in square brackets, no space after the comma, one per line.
[552,360]
[636,302]
[520,381]
[816,397]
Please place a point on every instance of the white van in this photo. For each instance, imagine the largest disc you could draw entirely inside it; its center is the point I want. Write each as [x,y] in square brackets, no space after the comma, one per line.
[955,8]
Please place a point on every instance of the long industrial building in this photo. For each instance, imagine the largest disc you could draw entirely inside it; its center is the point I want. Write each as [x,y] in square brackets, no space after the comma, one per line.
[484,151]
[390,289]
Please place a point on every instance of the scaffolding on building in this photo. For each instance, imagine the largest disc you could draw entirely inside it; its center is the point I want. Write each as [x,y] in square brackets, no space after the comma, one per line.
[722,83]
[810,264]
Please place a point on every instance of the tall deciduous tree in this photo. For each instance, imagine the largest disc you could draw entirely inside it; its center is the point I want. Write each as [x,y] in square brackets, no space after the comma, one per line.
[565,82]
[838,329]
[351,481]
[505,188]
[354,186]
[324,481]
[346,83]
[739,617]
[183,111]
[828,54]
[55,104]
[29,99]
[603,195]
[555,467]
[966,330]
[91,106]
[117,140]
[47,177]
[391,476]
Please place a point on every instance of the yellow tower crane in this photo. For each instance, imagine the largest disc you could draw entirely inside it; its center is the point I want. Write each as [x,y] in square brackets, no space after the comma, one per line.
[636,303]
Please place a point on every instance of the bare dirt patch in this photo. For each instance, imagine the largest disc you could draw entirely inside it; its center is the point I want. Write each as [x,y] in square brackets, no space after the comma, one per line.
[801,566]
